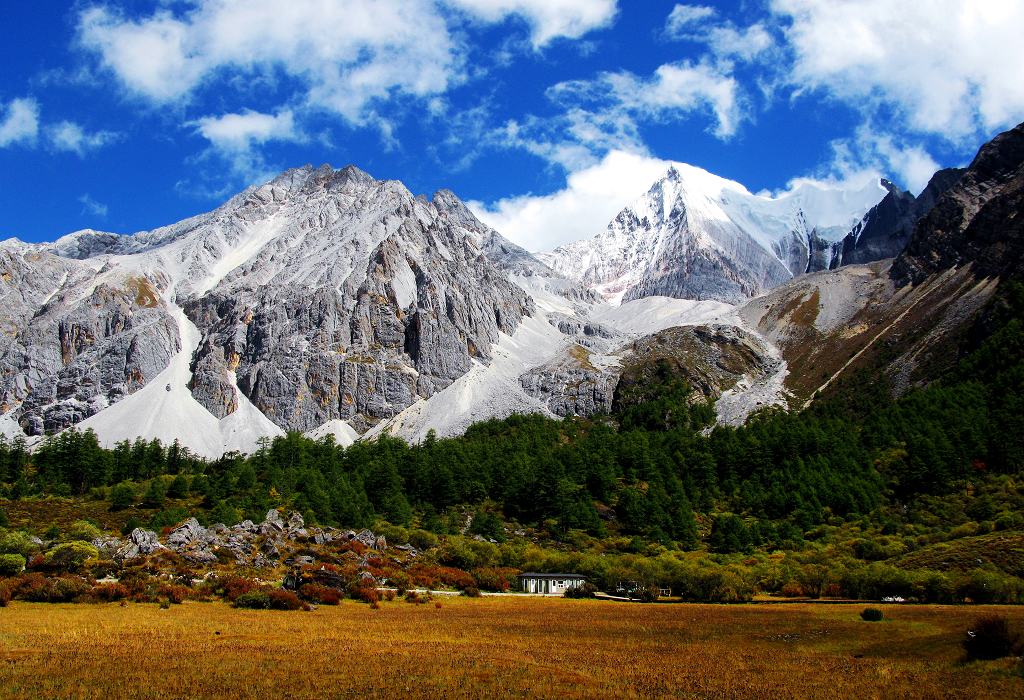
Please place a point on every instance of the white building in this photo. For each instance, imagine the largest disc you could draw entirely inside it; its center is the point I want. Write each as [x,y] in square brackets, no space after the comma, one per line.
[530,582]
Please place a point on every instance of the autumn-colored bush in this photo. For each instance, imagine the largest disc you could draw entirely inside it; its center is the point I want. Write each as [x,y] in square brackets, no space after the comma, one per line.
[364,590]
[281,599]
[324,595]
[440,576]
[584,590]
[36,588]
[494,578]
[471,592]
[5,593]
[174,593]
[109,592]
[792,589]
[234,586]
[417,598]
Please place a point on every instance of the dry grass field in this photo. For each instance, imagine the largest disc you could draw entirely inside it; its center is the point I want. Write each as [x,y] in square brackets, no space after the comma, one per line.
[495,648]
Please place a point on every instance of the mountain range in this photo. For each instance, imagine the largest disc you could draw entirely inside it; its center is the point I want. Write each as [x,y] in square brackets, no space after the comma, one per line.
[329,302]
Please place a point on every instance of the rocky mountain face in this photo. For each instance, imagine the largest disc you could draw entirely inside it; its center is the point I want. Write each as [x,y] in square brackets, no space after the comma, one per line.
[694,235]
[907,320]
[977,222]
[321,295]
[330,302]
[886,228]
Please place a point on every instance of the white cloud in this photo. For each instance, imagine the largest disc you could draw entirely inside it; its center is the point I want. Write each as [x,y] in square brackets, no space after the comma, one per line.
[233,132]
[346,55]
[726,41]
[684,17]
[947,67]
[235,138]
[548,19]
[69,136]
[673,91]
[19,122]
[591,198]
[91,207]
[880,154]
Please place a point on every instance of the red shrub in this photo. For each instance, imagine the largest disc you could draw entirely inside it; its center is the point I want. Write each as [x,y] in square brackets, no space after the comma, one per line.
[175,594]
[364,590]
[235,586]
[109,592]
[5,594]
[281,599]
[320,594]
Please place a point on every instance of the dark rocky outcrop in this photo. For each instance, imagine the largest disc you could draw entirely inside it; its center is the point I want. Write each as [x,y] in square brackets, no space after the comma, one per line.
[979,221]
[888,226]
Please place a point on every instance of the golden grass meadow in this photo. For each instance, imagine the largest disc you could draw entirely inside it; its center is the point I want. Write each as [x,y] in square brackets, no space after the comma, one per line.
[495,647]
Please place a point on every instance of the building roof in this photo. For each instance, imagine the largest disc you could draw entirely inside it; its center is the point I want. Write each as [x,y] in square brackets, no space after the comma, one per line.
[533,574]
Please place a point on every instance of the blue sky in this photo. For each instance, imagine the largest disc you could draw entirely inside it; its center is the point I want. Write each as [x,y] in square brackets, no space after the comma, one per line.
[548,115]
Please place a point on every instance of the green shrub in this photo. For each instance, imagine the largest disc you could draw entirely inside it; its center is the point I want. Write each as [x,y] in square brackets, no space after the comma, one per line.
[11,564]
[422,540]
[272,599]
[179,487]
[871,615]
[587,590]
[17,542]
[253,600]
[82,530]
[990,638]
[71,556]
[122,496]
[155,494]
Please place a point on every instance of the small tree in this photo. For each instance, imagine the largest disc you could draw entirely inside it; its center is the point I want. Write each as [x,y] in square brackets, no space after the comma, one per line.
[155,494]
[122,496]
[178,487]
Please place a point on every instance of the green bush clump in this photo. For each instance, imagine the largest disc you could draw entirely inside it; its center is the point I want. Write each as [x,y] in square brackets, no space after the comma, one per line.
[11,564]
[587,590]
[17,542]
[871,615]
[253,600]
[71,556]
[82,530]
[122,496]
[990,637]
[272,599]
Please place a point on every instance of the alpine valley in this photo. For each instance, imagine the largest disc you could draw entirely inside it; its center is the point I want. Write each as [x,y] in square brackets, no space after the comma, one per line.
[332,303]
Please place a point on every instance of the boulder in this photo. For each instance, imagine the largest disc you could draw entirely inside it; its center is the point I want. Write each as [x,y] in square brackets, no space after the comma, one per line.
[139,543]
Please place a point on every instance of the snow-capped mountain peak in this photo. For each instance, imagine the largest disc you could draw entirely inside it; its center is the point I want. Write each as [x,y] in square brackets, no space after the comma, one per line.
[696,235]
